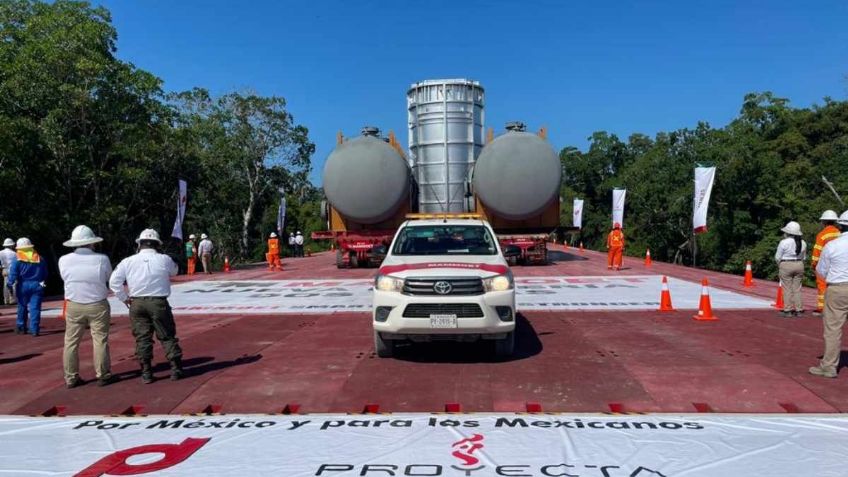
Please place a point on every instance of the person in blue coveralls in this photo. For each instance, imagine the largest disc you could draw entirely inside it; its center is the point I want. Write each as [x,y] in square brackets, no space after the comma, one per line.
[27,278]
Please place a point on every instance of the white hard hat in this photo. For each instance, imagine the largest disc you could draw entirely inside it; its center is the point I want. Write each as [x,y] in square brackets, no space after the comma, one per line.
[23,244]
[792,228]
[829,215]
[148,234]
[843,219]
[291,234]
[298,232]
[8,243]
[273,235]
[82,236]
[192,237]
[204,236]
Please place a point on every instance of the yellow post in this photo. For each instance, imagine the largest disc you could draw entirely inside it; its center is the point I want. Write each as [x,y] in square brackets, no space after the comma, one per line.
[490,135]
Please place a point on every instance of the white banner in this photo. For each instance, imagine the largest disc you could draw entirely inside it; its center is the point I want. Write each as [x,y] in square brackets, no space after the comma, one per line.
[704,177]
[281,213]
[475,445]
[181,209]
[618,206]
[577,214]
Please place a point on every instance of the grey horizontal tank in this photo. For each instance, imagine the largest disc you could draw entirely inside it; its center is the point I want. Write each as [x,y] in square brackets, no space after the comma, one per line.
[445,136]
[365,179]
[517,175]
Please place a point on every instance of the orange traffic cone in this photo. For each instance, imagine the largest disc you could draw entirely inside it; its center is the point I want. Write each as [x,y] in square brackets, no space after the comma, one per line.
[648,258]
[779,302]
[226,264]
[705,309]
[665,296]
[581,247]
[749,275]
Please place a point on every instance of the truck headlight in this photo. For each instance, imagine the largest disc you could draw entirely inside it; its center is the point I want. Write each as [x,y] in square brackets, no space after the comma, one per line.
[498,283]
[387,283]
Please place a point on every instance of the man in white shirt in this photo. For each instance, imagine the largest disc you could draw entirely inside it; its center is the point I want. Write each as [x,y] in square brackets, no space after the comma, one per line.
[205,250]
[292,245]
[86,275]
[148,277]
[7,258]
[298,241]
[833,269]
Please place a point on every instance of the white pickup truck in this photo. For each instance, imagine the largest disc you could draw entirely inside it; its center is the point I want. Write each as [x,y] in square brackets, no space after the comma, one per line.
[445,279]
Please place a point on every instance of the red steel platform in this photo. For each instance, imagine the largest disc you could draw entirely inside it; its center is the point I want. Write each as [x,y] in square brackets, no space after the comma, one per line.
[749,361]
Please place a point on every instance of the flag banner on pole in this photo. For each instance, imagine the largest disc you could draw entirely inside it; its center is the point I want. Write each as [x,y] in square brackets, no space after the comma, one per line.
[704,177]
[577,215]
[618,206]
[281,212]
[181,208]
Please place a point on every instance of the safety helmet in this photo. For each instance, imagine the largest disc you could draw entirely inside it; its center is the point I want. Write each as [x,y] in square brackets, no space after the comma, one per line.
[792,228]
[829,215]
[8,243]
[204,236]
[291,234]
[843,219]
[148,234]
[273,235]
[192,237]
[616,225]
[82,236]
[298,232]
[23,244]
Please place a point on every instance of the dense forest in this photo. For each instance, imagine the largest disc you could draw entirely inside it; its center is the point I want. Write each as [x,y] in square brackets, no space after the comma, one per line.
[771,165]
[86,138]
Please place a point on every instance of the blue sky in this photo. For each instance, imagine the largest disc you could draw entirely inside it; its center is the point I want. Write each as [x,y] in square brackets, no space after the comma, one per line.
[573,67]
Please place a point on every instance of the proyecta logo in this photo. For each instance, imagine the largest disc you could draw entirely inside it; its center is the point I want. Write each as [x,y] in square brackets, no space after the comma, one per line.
[464,450]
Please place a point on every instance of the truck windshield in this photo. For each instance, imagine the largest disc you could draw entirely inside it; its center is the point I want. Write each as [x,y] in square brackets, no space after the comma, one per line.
[445,240]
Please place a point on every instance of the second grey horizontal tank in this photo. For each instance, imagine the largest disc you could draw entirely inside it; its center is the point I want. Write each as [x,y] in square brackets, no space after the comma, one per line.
[517,175]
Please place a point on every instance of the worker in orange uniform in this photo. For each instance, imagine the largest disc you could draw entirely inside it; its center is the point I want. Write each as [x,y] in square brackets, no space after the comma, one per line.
[191,254]
[274,252]
[828,233]
[615,247]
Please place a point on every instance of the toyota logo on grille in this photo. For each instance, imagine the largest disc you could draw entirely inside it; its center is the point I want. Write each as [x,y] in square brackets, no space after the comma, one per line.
[442,287]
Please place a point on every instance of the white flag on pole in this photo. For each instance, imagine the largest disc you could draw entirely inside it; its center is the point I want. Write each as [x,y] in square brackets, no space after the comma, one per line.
[281,212]
[577,215]
[704,177]
[618,206]
[181,208]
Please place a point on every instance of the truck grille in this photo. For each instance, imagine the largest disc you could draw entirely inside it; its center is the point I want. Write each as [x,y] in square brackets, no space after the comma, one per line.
[458,286]
[461,310]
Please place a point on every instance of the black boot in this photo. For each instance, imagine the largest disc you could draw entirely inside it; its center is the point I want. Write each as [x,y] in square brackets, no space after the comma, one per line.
[146,372]
[176,369]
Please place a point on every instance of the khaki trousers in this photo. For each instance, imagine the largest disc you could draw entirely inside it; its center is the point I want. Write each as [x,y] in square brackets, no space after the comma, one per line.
[8,294]
[835,313]
[96,316]
[206,260]
[791,274]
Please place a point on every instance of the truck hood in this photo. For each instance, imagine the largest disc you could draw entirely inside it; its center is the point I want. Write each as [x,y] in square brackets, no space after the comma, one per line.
[482,266]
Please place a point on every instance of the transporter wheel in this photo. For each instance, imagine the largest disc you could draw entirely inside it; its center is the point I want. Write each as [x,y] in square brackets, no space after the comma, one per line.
[384,348]
[339,259]
[505,347]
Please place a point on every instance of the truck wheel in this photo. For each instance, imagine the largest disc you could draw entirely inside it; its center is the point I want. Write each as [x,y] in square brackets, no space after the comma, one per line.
[506,346]
[339,261]
[384,348]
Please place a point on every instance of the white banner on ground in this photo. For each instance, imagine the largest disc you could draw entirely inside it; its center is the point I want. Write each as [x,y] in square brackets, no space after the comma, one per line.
[577,214]
[618,206]
[704,177]
[625,292]
[181,209]
[476,445]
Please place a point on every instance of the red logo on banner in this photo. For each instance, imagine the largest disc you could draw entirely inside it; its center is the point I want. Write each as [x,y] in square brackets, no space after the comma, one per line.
[466,447]
[116,463]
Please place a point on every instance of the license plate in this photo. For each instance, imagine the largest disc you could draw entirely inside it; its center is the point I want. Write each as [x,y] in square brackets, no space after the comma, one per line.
[443,321]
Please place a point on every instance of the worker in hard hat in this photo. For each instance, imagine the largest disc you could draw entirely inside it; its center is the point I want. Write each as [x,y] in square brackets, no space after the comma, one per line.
[27,277]
[298,242]
[7,258]
[292,245]
[790,255]
[205,250]
[273,254]
[833,269]
[615,247]
[147,275]
[86,276]
[191,254]
[828,232]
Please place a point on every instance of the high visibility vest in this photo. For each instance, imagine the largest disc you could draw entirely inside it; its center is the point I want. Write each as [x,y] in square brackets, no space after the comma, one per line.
[28,256]
[826,235]
[273,245]
[615,239]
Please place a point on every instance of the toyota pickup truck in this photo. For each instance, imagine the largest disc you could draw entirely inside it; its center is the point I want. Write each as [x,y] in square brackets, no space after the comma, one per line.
[445,279]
